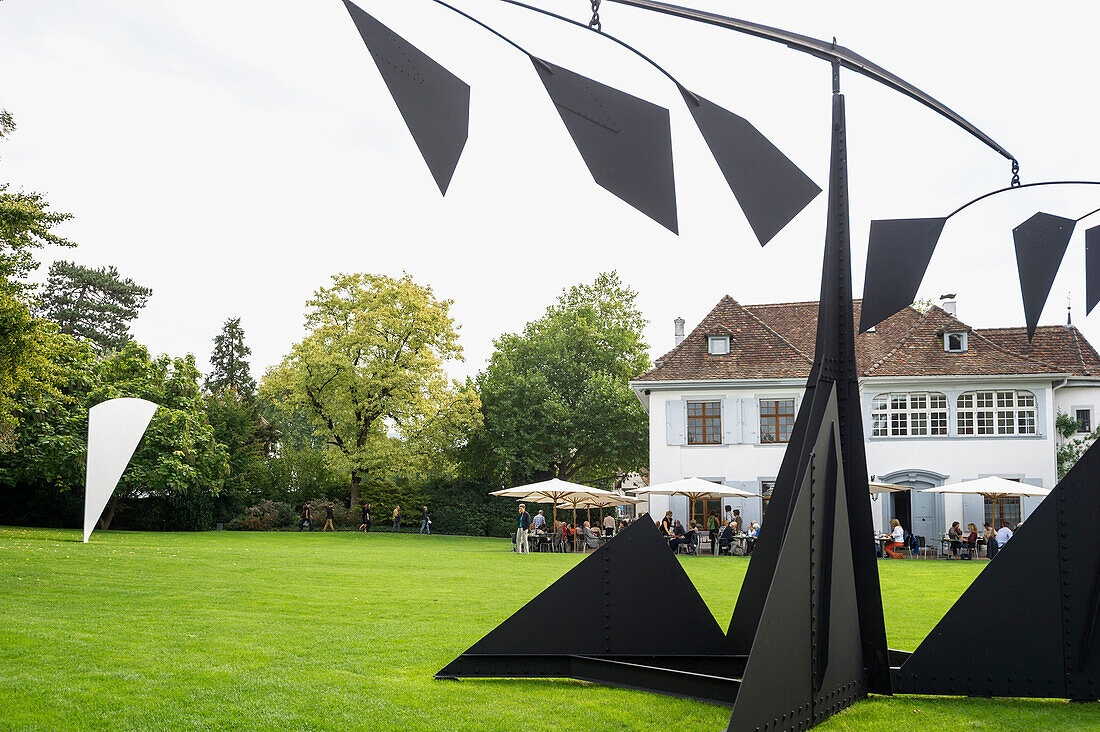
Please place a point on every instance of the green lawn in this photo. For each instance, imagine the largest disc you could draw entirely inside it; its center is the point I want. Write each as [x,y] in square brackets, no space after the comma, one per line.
[344,631]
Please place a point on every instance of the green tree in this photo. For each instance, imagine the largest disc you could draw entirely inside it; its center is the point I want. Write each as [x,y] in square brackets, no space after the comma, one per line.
[26,224]
[228,363]
[94,304]
[370,375]
[556,399]
[178,460]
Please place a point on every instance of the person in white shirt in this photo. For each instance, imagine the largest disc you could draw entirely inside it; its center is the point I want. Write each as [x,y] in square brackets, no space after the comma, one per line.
[897,538]
[1003,535]
[608,525]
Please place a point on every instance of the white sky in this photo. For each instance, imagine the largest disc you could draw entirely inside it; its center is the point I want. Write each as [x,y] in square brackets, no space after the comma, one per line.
[232,154]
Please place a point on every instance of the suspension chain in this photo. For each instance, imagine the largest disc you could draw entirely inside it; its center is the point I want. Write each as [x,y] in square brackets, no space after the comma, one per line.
[1015,174]
[595,23]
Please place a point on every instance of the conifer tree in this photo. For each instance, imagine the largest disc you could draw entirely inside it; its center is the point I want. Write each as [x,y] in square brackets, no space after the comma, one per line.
[93,304]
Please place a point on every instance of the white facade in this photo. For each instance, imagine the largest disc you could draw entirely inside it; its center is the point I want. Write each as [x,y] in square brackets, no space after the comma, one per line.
[742,460]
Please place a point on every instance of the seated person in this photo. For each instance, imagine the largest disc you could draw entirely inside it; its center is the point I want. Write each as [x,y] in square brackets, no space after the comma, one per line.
[954,535]
[725,538]
[971,539]
[539,522]
[591,541]
[754,531]
[897,539]
[691,538]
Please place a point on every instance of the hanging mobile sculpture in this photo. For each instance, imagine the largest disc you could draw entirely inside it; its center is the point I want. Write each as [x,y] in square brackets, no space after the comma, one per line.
[807,637]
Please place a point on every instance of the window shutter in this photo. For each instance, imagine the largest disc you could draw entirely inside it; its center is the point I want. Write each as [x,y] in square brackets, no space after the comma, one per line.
[674,422]
[731,421]
[751,420]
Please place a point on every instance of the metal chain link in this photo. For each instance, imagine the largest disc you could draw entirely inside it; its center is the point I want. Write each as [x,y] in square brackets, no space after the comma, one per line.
[595,23]
[1015,175]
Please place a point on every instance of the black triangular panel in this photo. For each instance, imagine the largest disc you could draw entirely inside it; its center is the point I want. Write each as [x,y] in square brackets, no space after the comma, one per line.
[769,187]
[1092,268]
[778,682]
[434,103]
[628,599]
[807,660]
[834,367]
[626,142]
[898,253]
[1046,644]
[1041,243]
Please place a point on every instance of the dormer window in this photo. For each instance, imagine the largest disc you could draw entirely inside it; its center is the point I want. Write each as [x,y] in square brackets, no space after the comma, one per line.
[954,342]
[718,345]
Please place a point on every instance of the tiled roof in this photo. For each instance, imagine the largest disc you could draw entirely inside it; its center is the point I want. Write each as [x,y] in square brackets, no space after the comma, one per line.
[777,341]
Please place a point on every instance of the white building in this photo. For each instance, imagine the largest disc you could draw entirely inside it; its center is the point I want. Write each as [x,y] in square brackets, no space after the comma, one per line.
[942,403]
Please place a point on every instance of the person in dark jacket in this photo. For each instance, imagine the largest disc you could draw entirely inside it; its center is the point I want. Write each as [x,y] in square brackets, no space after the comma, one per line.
[307,518]
[328,517]
[365,526]
[425,522]
[523,523]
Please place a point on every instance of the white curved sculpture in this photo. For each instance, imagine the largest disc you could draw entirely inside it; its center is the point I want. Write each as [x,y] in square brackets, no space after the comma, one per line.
[115,427]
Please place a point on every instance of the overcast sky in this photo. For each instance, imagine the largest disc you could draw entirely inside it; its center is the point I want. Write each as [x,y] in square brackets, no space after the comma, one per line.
[233,154]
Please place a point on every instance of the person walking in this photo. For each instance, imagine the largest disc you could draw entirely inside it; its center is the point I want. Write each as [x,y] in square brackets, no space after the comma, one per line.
[328,517]
[523,523]
[396,520]
[425,522]
[712,531]
[307,518]
[365,526]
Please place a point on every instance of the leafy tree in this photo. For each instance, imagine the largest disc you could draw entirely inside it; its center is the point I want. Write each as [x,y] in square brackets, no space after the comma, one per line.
[94,304]
[26,223]
[370,375]
[178,460]
[7,123]
[228,363]
[555,398]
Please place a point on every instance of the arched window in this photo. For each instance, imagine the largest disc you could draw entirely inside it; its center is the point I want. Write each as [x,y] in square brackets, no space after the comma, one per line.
[997,413]
[916,414]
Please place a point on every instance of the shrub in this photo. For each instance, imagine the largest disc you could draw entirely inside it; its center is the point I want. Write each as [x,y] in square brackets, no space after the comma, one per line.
[265,516]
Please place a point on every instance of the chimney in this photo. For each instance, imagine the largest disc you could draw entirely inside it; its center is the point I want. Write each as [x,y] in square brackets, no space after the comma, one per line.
[947,302]
[678,330]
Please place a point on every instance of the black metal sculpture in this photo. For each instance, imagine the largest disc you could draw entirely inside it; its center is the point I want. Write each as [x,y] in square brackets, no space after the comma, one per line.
[993,642]
[807,637]
[634,620]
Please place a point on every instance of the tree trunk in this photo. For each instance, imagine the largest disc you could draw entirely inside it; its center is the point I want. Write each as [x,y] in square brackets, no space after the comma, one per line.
[355,481]
[108,513]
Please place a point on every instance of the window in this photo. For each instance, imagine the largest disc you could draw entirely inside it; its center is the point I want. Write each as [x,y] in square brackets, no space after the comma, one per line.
[776,420]
[704,423]
[1084,419]
[1002,509]
[954,342]
[718,345]
[917,414]
[997,413]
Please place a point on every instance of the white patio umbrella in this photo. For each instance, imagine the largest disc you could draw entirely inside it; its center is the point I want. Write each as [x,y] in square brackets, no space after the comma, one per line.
[994,488]
[553,491]
[877,487]
[696,489]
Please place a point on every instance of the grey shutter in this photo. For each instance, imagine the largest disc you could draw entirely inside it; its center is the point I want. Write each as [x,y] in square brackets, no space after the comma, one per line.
[731,421]
[751,413]
[674,422]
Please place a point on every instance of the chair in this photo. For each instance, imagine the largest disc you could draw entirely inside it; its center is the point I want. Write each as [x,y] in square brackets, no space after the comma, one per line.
[967,550]
[923,550]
